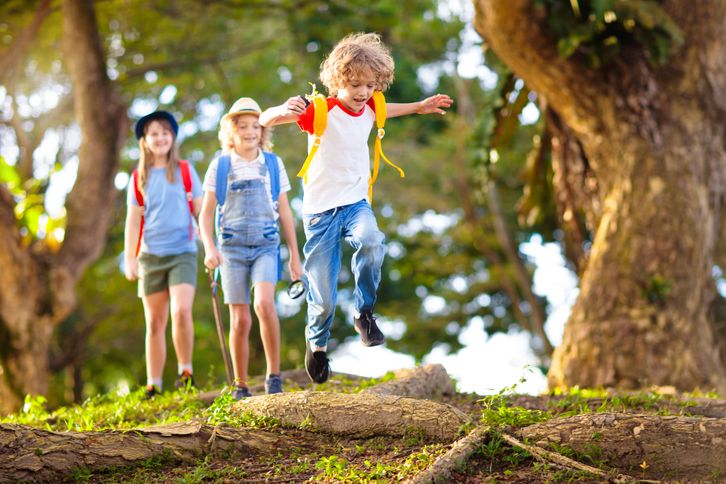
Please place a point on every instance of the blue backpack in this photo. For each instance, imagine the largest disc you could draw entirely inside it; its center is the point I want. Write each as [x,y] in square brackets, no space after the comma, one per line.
[223,166]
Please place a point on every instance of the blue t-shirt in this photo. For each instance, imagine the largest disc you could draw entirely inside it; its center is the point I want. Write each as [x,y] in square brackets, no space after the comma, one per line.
[166,213]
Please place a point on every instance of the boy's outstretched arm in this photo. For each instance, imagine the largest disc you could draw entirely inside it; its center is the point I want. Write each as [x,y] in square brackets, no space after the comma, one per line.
[431,105]
[287,112]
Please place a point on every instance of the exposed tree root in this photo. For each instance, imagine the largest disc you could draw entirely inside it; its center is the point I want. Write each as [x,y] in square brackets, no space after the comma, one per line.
[653,447]
[428,381]
[28,453]
[358,415]
[441,470]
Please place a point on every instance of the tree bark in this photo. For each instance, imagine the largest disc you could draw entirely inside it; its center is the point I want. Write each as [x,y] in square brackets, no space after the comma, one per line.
[672,447]
[357,415]
[37,287]
[654,140]
[31,454]
[428,381]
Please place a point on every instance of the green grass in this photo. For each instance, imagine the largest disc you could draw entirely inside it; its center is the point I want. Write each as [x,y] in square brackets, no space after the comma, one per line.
[110,412]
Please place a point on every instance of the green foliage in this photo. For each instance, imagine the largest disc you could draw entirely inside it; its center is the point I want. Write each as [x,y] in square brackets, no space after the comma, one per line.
[599,29]
[340,469]
[109,412]
[498,413]
[30,212]
[219,412]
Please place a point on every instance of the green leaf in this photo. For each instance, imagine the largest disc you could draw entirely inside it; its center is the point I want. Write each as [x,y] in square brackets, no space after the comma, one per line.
[9,175]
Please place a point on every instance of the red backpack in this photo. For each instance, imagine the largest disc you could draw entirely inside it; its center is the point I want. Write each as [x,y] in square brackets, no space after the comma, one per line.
[186,180]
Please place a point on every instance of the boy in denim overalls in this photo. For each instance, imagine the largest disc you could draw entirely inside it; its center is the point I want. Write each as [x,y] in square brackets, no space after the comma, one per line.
[336,200]
[255,196]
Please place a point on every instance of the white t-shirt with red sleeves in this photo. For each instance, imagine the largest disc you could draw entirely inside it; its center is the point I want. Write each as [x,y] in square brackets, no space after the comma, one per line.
[338,174]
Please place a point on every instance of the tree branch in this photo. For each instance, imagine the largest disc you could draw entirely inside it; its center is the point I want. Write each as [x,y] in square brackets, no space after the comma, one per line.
[521,38]
[103,123]
[11,60]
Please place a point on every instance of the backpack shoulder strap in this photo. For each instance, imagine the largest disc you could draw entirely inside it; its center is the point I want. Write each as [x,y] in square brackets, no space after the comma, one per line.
[140,200]
[274,171]
[320,122]
[223,167]
[187,182]
[379,101]
[137,190]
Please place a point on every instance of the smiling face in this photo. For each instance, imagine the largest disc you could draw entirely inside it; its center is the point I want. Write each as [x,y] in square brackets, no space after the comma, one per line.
[356,91]
[159,138]
[247,135]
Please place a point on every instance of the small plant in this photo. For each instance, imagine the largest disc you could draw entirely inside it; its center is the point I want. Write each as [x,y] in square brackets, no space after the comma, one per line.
[332,466]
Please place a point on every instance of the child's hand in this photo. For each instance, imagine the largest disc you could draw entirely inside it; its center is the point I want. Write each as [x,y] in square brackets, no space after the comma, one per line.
[295,106]
[212,258]
[295,268]
[435,104]
[131,268]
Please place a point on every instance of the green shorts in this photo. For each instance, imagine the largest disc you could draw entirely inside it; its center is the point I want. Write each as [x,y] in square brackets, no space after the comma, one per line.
[158,273]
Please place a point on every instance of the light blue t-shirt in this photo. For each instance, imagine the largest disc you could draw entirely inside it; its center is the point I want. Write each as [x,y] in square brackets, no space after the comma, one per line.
[166,213]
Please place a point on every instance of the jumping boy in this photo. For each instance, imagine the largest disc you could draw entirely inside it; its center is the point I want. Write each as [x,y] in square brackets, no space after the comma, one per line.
[336,201]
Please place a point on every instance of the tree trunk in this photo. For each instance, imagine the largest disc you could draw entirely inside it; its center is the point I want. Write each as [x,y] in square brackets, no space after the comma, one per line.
[37,287]
[653,138]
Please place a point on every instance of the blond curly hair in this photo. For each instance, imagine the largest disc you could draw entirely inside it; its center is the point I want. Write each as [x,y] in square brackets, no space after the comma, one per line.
[355,56]
[226,135]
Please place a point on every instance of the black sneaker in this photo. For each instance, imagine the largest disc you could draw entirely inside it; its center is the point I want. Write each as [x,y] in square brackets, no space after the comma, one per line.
[185,381]
[317,364]
[150,392]
[366,326]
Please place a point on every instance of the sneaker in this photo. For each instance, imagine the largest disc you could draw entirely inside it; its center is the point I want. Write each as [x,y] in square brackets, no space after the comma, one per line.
[150,392]
[185,381]
[366,326]
[241,392]
[317,364]
[273,384]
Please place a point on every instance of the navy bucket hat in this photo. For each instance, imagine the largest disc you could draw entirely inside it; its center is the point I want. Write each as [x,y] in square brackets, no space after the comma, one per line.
[156,115]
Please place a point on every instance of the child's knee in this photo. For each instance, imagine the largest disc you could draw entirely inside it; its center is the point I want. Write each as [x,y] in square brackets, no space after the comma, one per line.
[265,309]
[181,314]
[241,323]
[321,309]
[371,238]
[155,327]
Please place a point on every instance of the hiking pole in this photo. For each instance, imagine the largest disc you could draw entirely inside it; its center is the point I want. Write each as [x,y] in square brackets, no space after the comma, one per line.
[220,328]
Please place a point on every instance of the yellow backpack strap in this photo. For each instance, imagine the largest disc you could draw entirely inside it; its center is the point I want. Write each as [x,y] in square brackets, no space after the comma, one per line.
[320,122]
[379,101]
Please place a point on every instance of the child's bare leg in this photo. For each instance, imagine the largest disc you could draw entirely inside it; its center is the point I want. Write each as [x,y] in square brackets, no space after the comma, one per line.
[269,325]
[156,310]
[182,325]
[239,340]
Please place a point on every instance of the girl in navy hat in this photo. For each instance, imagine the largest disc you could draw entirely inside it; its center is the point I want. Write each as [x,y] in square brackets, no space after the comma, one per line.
[160,250]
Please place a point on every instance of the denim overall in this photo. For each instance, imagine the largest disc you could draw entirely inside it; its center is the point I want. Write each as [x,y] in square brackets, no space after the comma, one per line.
[248,238]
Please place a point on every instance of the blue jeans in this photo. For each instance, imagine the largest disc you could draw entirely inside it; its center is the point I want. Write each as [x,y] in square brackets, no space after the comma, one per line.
[357,225]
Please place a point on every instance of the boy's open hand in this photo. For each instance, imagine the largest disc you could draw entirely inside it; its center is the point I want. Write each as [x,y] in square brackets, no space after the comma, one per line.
[294,106]
[435,104]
